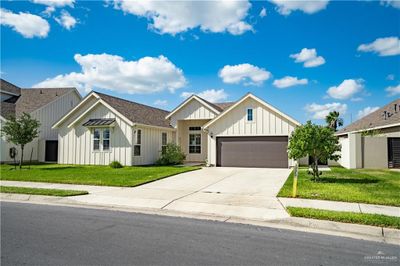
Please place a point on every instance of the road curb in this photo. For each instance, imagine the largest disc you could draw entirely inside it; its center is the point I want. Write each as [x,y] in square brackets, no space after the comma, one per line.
[356,231]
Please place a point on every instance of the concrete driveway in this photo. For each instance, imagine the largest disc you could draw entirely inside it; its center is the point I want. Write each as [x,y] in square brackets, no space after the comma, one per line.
[247,193]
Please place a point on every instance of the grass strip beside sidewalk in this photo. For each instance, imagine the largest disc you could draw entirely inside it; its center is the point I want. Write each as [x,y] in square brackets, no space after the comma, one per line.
[42,191]
[346,217]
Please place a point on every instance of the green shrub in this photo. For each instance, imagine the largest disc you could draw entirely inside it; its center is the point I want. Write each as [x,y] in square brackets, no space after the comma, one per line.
[172,155]
[115,164]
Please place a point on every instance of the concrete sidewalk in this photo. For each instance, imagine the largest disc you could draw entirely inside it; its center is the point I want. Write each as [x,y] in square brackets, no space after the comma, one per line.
[341,206]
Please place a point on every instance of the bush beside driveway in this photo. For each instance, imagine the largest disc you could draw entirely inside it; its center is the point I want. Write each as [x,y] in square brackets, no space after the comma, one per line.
[372,186]
[92,175]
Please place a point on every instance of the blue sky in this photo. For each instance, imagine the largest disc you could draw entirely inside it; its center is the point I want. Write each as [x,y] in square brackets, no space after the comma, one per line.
[341,55]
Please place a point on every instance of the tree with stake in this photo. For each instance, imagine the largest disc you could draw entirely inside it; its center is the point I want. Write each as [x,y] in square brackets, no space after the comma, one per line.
[316,141]
[21,131]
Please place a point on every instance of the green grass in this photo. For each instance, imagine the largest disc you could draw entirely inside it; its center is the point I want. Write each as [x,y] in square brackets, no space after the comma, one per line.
[346,217]
[350,185]
[42,191]
[91,175]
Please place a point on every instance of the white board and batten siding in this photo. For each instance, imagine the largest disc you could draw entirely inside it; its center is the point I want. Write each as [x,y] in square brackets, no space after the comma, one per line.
[265,122]
[75,144]
[193,110]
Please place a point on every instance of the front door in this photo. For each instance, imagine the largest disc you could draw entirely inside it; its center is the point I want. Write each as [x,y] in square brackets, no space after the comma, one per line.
[394,152]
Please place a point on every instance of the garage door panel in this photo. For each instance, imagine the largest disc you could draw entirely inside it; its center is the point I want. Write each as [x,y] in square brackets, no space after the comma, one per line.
[252,152]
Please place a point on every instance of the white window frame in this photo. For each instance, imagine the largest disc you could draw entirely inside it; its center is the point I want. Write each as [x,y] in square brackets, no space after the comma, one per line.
[164,145]
[101,139]
[252,114]
[138,143]
[195,144]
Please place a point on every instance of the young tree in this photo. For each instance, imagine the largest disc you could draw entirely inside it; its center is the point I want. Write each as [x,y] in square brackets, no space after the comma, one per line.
[316,141]
[21,131]
[333,120]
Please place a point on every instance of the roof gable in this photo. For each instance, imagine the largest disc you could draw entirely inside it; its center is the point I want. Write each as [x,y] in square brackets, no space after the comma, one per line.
[10,88]
[212,107]
[386,116]
[263,103]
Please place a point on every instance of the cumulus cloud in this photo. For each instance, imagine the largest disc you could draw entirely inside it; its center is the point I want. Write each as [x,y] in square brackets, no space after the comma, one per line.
[166,17]
[393,90]
[393,3]
[26,24]
[66,20]
[289,81]
[244,73]
[209,95]
[263,12]
[112,72]
[366,111]
[388,46]
[161,102]
[347,89]
[285,7]
[320,111]
[55,3]
[308,57]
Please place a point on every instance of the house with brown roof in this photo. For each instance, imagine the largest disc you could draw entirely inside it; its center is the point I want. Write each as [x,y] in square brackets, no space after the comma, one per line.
[246,133]
[47,105]
[374,140]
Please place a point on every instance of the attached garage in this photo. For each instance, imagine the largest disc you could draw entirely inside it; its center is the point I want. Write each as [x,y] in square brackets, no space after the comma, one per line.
[253,151]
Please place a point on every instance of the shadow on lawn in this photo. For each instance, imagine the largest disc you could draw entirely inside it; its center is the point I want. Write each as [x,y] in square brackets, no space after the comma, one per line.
[61,168]
[348,180]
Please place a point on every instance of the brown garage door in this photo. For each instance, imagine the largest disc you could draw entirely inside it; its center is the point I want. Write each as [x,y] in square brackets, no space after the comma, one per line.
[252,152]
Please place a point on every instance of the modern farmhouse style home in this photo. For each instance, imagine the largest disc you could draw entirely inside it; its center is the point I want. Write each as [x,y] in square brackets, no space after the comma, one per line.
[372,141]
[47,105]
[246,133]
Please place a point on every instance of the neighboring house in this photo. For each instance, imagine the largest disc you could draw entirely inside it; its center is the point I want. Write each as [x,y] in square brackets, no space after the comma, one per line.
[246,133]
[102,129]
[47,105]
[372,141]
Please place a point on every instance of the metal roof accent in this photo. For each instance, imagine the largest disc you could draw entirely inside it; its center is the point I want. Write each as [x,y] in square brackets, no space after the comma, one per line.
[99,122]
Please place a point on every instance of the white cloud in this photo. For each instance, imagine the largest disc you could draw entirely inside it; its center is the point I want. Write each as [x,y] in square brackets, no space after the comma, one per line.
[166,17]
[393,3]
[309,57]
[48,11]
[393,90]
[161,102]
[263,12]
[26,24]
[319,111]
[382,46]
[347,89]
[66,20]
[112,72]
[289,81]
[55,3]
[246,73]
[285,7]
[390,77]
[209,95]
[366,111]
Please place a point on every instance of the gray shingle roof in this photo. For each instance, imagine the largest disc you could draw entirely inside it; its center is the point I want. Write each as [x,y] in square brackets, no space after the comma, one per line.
[218,106]
[385,116]
[9,87]
[136,112]
[28,100]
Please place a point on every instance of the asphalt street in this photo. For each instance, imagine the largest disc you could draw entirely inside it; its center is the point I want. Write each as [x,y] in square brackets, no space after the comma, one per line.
[53,235]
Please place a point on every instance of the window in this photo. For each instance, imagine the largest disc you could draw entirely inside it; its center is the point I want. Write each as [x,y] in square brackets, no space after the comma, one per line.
[106,139]
[101,139]
[194,143]
[96,139]
[249,114]
[163,142]
[137,146]
[194,128]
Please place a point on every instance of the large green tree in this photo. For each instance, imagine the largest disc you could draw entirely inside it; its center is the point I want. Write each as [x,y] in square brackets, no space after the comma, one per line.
[316,141]
[20,131]
[334,120]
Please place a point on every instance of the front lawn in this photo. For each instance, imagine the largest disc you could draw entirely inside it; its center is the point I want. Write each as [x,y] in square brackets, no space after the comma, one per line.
[346,217]
[350,185]
[42,191]
[92,175]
